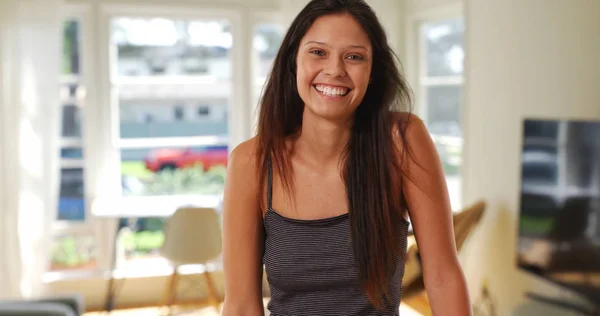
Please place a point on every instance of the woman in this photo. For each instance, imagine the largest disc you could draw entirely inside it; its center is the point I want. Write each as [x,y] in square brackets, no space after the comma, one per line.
[322,194]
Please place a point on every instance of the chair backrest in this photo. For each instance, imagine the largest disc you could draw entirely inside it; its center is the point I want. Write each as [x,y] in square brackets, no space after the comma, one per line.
[192,235]
[466,221]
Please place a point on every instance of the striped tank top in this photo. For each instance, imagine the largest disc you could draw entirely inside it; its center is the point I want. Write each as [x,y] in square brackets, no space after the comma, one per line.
[311,268]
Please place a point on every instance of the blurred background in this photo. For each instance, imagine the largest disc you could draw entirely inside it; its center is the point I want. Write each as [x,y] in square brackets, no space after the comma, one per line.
[114,114]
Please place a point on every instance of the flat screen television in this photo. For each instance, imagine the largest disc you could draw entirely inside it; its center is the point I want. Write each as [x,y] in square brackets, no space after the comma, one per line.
[559,218]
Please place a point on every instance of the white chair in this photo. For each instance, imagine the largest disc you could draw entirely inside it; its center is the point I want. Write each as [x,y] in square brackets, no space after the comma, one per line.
[192,236]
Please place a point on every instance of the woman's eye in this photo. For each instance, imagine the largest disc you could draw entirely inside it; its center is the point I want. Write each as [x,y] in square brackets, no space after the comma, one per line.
[317,52]
[355,57]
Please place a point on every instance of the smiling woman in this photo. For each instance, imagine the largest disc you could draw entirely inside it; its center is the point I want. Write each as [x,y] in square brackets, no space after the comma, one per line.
[322,194]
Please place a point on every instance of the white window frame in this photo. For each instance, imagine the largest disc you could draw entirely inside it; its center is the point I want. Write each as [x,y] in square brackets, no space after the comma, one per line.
[417,75]
[425,81]
[101,141]
[81,13]
[109,204]
[77,13]
[240,119]
[238,131]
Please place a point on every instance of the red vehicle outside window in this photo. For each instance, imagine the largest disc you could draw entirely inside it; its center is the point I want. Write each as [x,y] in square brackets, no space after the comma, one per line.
[172,158]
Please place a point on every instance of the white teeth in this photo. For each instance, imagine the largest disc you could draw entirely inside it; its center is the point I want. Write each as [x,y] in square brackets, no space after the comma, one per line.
[331,91]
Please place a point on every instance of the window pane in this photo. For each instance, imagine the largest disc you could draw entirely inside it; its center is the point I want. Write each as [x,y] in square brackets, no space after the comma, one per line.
[174,82]
[71,204]
[444,47]
[173,170]
[71,40]
[443,122]
[151,118]
[140,239]
[266,42]
[165,47]
[71,252]
[71,91]
[71,121]
[71,153]
[444,109]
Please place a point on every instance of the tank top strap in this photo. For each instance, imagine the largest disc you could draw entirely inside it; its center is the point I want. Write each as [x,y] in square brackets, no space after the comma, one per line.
[269,184]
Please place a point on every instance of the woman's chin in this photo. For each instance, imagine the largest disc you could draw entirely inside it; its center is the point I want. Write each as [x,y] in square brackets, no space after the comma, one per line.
[332,113]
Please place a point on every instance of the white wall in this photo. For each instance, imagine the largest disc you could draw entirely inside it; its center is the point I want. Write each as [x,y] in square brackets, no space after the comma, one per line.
[254,4]
[533,58]
[420,6]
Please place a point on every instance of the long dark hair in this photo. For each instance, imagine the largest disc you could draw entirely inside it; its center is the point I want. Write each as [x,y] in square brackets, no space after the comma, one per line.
[372,167]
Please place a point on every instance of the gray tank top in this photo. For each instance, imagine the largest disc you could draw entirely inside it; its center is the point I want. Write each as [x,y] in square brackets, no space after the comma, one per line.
[311,268]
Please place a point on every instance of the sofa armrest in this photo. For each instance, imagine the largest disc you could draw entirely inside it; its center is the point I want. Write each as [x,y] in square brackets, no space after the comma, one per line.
[25,308]
[75,301]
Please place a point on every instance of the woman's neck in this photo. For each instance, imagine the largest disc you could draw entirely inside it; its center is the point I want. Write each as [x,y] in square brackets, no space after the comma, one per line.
[322,141]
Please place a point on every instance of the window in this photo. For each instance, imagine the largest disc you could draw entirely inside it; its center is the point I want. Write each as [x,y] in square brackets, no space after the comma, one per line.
[265,44]
[440,94]
[74,243]
[71,201]
[203,111]
[178,112]
[168,90]
[172,82]
[74,251]
[71,206]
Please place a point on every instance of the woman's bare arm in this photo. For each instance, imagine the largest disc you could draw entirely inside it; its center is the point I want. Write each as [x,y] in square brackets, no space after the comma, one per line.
[242,235]
[431,216]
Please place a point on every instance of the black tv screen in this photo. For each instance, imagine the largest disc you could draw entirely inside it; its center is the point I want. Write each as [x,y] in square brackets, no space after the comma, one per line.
[559,219]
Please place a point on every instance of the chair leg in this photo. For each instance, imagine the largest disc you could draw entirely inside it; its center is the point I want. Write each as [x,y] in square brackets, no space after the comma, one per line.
[213,299]
[170,296]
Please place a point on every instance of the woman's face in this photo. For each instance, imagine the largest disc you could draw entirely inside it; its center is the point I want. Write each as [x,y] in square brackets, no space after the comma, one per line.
[334,66]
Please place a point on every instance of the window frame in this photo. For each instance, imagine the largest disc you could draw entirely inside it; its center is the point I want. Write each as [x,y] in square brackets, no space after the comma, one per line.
[417,75]
[109,204]
[100,128]
[241,108]
[113,144]
[424,80]
[235,17]
[81,13]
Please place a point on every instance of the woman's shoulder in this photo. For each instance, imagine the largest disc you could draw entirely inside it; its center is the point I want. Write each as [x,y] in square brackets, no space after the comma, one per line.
[242,159]
[246,148]
[407,124]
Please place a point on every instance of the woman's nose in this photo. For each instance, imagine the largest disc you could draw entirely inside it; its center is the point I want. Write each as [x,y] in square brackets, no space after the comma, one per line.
[335,68]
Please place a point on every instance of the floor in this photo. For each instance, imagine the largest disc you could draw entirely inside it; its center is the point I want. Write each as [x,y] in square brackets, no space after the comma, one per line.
[207,311]
[156,311]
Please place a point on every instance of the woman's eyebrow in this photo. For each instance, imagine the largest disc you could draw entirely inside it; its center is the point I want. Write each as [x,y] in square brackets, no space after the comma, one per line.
[349,46]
